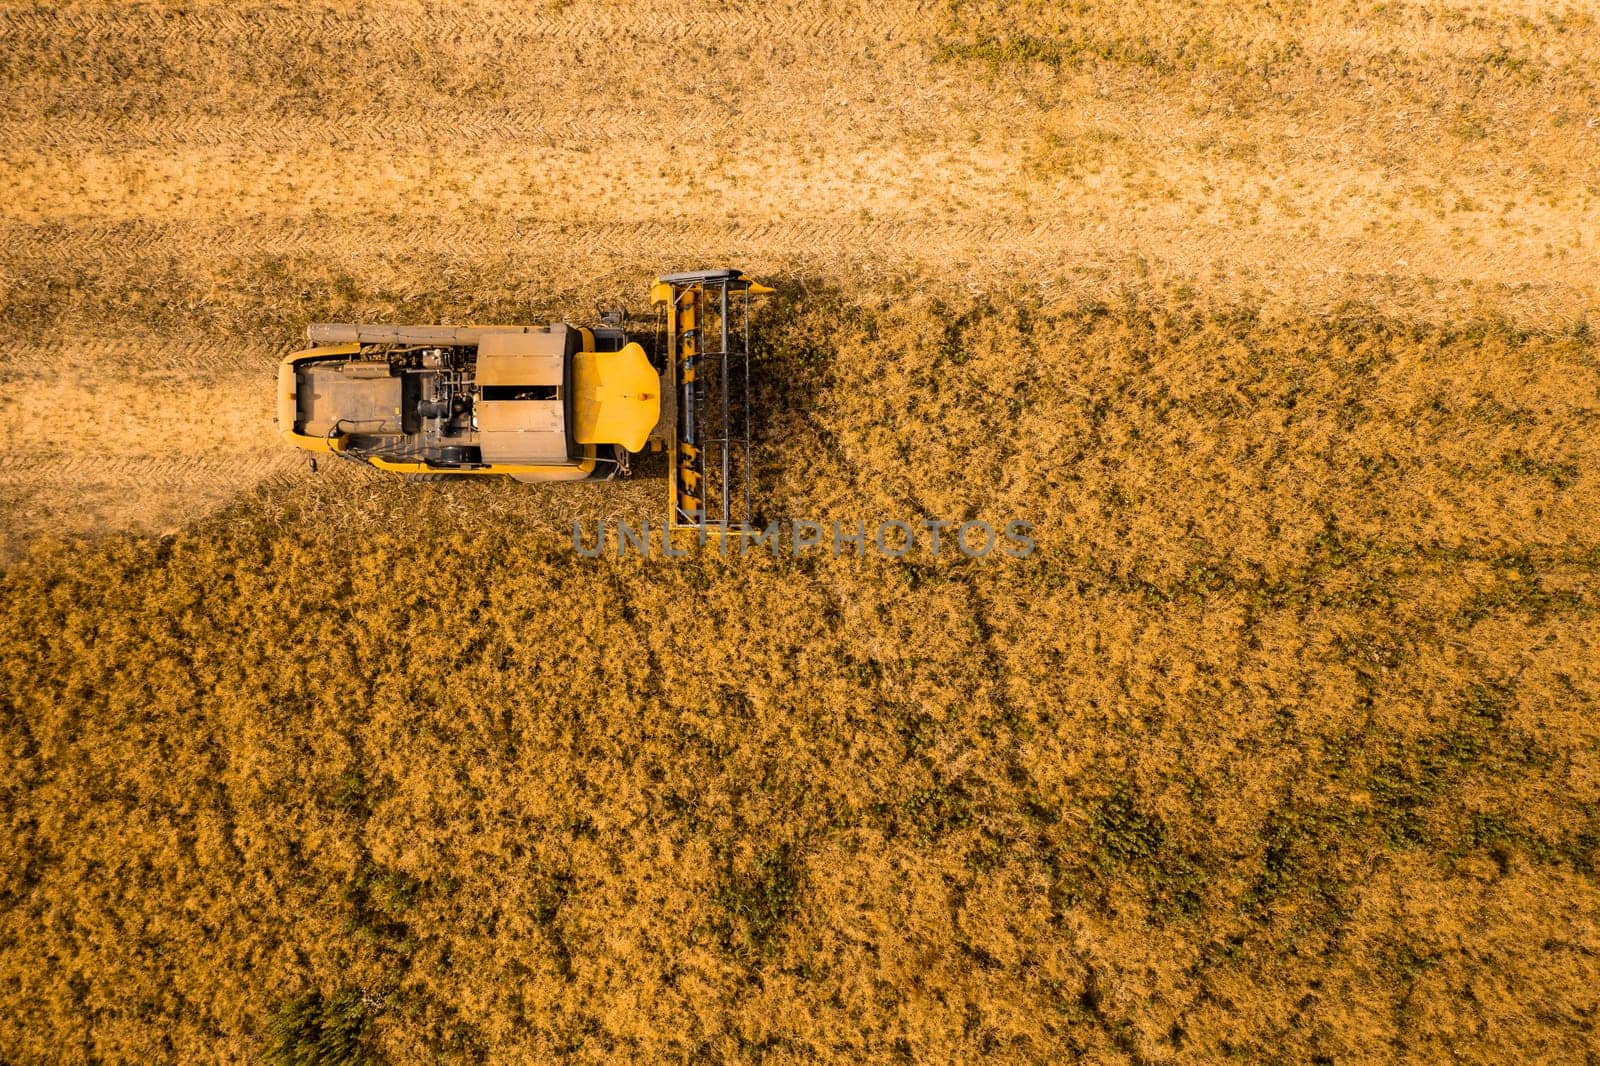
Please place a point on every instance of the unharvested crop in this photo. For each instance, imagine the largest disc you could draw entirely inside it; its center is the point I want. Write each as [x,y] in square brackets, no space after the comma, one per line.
[1281,743]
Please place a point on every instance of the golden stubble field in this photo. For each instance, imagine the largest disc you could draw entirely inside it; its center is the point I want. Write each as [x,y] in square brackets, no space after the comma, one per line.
[186,185]
[1275,321]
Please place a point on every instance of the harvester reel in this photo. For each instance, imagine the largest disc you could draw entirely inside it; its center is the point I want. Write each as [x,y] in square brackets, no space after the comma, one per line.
[707,353]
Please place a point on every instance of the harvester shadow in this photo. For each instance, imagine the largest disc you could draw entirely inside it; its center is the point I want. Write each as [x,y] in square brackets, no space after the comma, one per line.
[795,353]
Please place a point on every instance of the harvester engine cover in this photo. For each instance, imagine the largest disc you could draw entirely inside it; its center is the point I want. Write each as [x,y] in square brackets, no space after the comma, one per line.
[540,403]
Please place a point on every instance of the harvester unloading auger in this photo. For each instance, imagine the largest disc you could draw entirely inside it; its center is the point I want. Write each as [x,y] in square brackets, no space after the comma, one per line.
[545,403]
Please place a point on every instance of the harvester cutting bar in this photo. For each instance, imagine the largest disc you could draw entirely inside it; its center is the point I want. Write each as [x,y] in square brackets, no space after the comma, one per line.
[707,343]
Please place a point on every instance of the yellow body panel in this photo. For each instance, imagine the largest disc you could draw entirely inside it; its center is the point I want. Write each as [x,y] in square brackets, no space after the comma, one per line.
[521,471]
[616,397]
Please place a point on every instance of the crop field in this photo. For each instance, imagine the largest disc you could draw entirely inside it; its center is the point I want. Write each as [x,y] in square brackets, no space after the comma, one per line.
[1277,322]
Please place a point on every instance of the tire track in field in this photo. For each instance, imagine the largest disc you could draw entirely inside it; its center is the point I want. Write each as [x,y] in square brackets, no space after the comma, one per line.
[1063,254]
[129,432]
[221,469]
[438,72]
[280,134]
[129,244]
[129,356]
[577,25]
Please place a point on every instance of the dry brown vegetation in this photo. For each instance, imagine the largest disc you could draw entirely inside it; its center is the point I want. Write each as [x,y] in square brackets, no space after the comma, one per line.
[1281,744]
[1275,320]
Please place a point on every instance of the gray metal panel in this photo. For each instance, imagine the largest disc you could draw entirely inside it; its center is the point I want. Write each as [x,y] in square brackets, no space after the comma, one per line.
[522,431]
[379,333]
[523,358]
[362,402]
[692,276]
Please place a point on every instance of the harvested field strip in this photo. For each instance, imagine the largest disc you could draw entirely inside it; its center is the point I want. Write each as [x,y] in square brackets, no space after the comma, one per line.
[259,282]
[1429,160]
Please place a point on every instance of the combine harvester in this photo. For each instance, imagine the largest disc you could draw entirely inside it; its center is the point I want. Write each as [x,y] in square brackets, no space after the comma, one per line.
[545,403]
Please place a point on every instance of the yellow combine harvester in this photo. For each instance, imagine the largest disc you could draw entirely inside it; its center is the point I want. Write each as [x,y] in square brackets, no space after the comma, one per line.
[544,403]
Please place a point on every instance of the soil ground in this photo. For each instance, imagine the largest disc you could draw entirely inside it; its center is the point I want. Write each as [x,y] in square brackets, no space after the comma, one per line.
[1275,320]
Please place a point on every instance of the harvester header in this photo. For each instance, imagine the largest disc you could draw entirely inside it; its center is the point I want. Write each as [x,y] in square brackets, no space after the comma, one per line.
[704,326]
